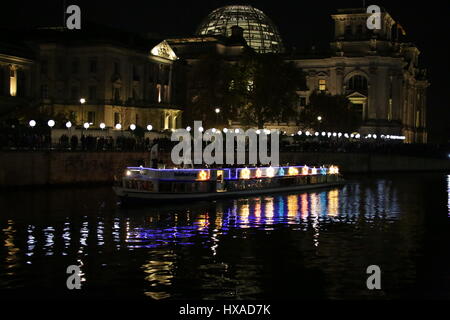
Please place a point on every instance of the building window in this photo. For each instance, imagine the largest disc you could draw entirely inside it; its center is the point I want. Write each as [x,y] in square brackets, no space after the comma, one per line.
[158,90]
[92,93]
[357,83]
[74,93]
[116,67]
[117,118]
[13,81]
[417,118]
[166,93]
[348,29]
[44,67]
[91,117]
[73,115]
[390,110]
[135,74]
[93,66]
[2,82]
[322,85]
[116,92]
[75,66]
[44,91]
[302,101]
[60,66]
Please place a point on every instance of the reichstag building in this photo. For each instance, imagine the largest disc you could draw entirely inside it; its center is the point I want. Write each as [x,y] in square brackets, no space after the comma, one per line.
[125,78]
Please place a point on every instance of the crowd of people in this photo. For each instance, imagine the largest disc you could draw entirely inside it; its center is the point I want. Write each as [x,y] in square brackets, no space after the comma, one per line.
[375,146]
[28,140]
[35,140]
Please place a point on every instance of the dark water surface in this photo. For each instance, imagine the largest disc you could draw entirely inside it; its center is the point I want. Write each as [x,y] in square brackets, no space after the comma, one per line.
[310,245]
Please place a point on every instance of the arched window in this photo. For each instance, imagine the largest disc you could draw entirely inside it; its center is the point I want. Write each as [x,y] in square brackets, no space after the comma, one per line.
[348,30]
[357,83]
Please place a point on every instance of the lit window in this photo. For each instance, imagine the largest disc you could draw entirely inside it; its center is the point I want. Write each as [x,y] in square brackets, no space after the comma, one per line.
[322,85]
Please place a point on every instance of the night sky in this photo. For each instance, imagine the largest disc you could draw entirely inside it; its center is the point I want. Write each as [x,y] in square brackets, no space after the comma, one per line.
[301,23]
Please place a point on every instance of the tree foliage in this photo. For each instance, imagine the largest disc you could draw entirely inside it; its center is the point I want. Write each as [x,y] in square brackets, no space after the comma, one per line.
[253,90]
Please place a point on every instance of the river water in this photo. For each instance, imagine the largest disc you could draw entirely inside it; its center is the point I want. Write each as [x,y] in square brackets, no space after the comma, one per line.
[309,245]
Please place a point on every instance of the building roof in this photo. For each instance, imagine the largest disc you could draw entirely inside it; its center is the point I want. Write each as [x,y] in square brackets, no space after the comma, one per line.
[258,29]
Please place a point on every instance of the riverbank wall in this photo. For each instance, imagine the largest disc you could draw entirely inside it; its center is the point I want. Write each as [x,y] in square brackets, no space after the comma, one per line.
[21,169]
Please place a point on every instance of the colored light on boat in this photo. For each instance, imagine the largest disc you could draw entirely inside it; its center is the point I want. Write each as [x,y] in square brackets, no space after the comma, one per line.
[323,170]
[203,175]
[245,173]
[281,172]
[333,170]
[270,172]
[305,170]
[258,173]
[292,171]
[313,171]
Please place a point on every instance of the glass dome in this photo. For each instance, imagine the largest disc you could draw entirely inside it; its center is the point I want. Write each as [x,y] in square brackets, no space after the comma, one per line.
[259,31]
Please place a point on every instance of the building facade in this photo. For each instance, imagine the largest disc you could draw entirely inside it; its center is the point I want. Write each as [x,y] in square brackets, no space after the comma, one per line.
[100,77]
[375,69]
[16,70]
[379,74]
[126,79]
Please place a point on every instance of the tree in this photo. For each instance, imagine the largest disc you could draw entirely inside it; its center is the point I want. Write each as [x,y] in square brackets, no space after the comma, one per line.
[264,89]
[335,112]
[209,82]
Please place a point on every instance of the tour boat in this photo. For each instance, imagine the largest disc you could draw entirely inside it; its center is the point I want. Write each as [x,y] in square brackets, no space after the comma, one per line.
[139,183]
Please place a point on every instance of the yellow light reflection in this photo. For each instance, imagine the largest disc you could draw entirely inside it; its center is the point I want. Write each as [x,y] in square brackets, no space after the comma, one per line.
[304,205]
[292,206]
[269,210]
[333,203]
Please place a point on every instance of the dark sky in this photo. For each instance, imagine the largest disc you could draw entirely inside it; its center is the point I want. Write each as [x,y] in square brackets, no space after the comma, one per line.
[300,22]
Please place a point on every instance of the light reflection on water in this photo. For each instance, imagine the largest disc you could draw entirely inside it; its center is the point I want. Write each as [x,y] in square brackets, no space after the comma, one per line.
[448,194]
[159,250]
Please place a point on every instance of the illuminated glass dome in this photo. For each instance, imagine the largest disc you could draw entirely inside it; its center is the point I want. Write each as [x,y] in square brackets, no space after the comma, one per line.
[259,31]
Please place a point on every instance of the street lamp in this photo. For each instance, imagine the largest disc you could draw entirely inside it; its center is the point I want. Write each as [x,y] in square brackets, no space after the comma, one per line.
[217,111]
[51,123]
[200,129]
[86,125]
[32,123]
[118,126]
[82,102]
[188,129]
[68,124]
[149,127]
[102,126]
[319,118]
[132,127]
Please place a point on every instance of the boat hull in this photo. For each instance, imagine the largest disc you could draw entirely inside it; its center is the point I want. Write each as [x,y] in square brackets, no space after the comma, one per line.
[137,195]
